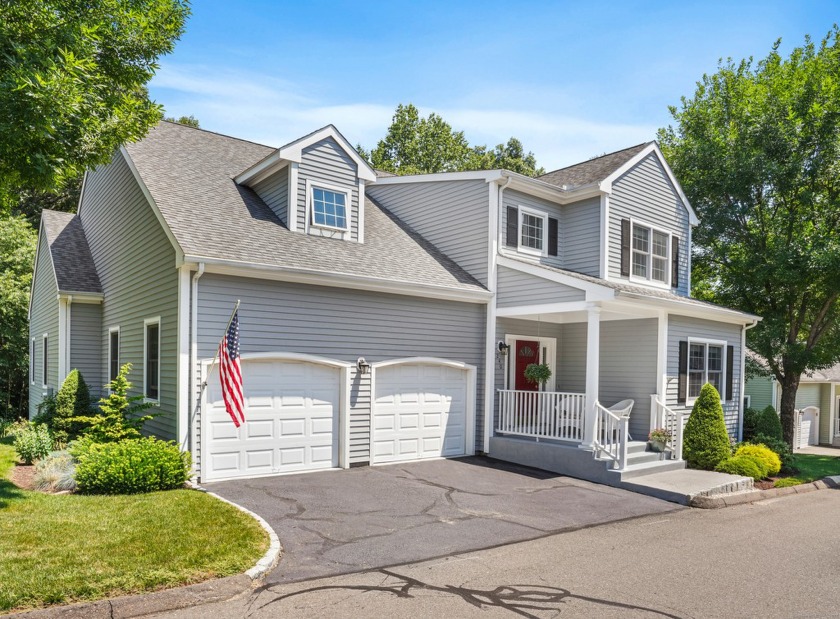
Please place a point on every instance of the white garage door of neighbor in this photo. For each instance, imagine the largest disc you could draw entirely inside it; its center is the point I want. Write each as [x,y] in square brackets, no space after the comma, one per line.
[808,428]
[419,412]
[291,421]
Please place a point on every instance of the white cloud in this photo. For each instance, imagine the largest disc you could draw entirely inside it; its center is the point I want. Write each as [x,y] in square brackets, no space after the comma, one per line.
[273,111]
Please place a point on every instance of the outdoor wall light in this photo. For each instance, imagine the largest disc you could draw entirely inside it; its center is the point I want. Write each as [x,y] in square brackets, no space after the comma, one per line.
[363,366]
[503,348]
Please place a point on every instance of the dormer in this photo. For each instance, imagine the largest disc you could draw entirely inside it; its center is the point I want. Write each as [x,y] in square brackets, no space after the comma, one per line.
[315,185]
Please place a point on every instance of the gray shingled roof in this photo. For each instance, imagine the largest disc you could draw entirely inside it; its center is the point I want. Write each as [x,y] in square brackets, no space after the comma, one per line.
[639,290]
[826,375]
[189,173]
[74,268]
[592,171]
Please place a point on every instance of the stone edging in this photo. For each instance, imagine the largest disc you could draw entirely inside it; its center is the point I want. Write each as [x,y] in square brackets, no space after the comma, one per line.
[739,498]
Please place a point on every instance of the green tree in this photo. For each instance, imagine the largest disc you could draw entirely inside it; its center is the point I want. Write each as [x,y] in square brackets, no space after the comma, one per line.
[417,145]
[73,77]
[706,441]
[756,149]
[17,252]
[189,121]
[71,401]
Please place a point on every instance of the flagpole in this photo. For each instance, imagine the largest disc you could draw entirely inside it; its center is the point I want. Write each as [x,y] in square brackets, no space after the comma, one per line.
[224,334]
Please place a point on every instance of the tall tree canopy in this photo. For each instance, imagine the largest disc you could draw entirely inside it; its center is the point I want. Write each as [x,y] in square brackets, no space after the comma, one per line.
[417,145]
[73,77]
[757,149]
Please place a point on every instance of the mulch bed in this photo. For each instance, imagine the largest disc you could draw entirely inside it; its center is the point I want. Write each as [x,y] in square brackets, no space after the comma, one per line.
[23,476]
[764,484]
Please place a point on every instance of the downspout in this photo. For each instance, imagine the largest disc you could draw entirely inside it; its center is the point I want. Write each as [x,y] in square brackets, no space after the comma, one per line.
[194,354]
[743,378]
[490,326]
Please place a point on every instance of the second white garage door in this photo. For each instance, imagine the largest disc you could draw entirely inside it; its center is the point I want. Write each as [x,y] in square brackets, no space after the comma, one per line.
[291,421]
[420,411]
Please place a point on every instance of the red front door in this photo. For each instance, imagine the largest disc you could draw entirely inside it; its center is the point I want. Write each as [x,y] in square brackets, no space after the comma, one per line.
[526,352]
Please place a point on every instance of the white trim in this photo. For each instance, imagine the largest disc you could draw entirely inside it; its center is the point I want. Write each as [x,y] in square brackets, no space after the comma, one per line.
[91,298]
[193,384]
[111,331]
[63,339]
[689,401]
[594,292]
[183,370]
[484,175]
[742,382]
[834,430]
[495,200]
[688,257]
[649,281]
[340,280]
[343,434]
[179,252]
[361,216]
[593,370]
[32,359]
[606,184]
[292,210]
[550,344]
[146,324]
[469,405]
[544,308]
[747,404]
[530,251]
[311,185]
[662,356]
[603,267]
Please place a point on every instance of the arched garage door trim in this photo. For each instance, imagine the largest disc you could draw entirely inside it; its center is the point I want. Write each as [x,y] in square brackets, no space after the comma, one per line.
[469,370]
[344,369]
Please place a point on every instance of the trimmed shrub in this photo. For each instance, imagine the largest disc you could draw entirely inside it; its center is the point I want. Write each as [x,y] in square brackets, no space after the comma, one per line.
[130,466]
[706,441]
[779,447]
[33,443]
[46,411]
[56,473]
[769,424]
[766,457]
[750,423]
[740,465]
[11,428]
[72,400]
[787,482]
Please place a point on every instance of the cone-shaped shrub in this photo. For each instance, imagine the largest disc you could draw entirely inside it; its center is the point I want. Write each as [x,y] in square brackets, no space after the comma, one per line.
[706,441]
[72,400]
[768,423]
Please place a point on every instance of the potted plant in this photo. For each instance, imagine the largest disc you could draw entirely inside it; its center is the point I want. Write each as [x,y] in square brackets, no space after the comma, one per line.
[658,439]
[538,373]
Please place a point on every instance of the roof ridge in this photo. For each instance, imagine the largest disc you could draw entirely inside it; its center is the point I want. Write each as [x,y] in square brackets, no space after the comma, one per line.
[615,152]
[221,135]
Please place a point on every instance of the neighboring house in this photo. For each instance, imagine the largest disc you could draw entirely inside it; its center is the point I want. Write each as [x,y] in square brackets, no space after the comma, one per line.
[383,318]
[817,402]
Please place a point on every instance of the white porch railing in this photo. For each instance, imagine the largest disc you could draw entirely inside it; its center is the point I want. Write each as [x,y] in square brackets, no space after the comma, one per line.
[611,433]
[663,417]
[542,414]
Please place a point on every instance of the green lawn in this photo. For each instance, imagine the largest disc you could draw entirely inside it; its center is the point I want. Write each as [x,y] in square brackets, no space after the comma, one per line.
[812,467]
[66,548]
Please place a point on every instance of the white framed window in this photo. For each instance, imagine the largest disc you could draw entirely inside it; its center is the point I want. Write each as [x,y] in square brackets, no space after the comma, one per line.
[706,364]
[533,229]
[32,361]
[151,359]
[650,251]
[45,361]
[113,353]
[329,207]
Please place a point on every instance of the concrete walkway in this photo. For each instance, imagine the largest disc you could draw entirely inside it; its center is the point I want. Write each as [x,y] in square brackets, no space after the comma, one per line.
[819,450]
[684,485]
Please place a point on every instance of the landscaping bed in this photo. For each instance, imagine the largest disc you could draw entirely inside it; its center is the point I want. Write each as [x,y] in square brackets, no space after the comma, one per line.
[62,548]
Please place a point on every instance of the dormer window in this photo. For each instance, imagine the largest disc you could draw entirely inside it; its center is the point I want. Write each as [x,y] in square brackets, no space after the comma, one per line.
[531,231]
[329,208]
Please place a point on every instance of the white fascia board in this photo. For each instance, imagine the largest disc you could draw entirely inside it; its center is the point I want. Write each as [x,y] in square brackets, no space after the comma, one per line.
[179,253]
[547,191]
[484,175]
[682,308]
[543,308]
[266,165]
[653,147]
[340,280]
[82,297]
[594,292]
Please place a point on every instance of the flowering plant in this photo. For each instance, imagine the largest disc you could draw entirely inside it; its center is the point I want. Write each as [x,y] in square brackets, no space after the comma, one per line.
[659,435]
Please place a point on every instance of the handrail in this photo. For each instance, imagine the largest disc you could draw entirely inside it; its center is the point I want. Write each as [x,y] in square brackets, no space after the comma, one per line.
[611,433]
[663,416]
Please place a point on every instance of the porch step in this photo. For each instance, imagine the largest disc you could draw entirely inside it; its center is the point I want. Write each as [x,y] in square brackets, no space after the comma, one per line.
[634,447]
[640,469]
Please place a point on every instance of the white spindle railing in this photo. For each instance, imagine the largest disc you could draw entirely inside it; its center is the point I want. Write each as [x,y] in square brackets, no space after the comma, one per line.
[663,417]
[542,414]
[611,432]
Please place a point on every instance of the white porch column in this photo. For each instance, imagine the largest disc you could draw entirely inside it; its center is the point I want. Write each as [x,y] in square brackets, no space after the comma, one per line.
[593,361]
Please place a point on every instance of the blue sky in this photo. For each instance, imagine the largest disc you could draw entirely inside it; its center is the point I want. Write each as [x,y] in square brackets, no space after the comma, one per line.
[570,79]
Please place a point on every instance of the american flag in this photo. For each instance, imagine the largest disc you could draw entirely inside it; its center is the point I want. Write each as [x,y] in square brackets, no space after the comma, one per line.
[230,372]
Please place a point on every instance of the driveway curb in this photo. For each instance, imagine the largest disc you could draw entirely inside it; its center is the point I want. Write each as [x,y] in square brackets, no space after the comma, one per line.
[718,502]
[176,598]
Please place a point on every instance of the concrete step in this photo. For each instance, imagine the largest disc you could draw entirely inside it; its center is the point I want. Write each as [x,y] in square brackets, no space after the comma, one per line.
[634,447]
[632,471]
[645,456]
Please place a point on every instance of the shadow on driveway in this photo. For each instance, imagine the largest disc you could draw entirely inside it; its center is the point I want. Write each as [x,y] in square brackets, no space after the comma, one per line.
[343,521]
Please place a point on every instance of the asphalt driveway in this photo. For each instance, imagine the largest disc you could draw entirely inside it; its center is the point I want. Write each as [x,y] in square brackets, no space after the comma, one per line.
[337,522]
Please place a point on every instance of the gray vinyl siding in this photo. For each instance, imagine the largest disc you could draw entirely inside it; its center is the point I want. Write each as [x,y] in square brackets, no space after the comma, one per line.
[760,390]
[326,161]
[646,194]
[274,191]
[628,368]
[680,328]
[580,236]
[517,288]
[44,319]
[136,265]
[342,324]
[86,344]
[452,215]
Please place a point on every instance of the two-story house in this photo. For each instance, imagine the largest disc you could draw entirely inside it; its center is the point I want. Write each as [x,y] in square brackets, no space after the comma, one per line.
[384,318]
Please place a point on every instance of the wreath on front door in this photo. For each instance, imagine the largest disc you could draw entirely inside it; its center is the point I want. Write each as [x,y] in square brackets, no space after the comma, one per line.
[538,373]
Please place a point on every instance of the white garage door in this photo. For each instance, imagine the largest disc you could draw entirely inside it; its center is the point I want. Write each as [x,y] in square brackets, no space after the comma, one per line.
[808,425]
[419,412]
[291,421]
